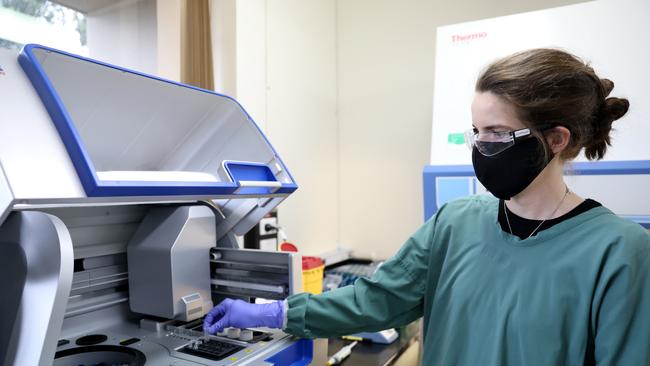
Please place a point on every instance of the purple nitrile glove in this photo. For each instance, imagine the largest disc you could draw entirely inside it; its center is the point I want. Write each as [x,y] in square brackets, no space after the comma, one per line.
[240,314]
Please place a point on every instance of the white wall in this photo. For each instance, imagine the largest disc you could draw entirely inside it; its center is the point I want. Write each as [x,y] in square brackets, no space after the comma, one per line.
[345,89]
[251,62]
[169,39]
[386,53]
[286,79]
[143,35]
[223,24]
[124,34]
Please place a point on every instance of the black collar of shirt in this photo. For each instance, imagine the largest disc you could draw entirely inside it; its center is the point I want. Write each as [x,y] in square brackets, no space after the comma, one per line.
[522,227]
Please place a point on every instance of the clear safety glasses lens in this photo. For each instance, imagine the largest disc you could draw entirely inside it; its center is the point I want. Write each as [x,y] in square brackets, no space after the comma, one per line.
[492,143]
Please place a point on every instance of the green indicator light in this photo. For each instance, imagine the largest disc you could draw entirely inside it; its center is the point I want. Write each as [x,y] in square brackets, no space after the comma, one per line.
[456,138]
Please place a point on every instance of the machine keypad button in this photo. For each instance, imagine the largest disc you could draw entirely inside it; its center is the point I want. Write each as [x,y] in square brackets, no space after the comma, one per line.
[129,341]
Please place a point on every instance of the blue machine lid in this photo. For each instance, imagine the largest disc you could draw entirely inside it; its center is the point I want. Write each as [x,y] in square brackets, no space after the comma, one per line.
[132,134]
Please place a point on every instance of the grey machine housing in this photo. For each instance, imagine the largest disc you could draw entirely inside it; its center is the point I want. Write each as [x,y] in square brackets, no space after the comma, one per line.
[139,263]
[169,263]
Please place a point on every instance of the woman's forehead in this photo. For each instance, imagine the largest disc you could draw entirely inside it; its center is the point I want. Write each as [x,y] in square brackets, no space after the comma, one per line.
[489,111]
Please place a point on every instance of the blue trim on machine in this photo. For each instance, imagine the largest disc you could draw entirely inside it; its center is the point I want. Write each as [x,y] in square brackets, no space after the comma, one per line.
[429,175]
[642,220]
[629,167]
[81,159]
[247,171]
[300,353]
[432,172]
[54,105]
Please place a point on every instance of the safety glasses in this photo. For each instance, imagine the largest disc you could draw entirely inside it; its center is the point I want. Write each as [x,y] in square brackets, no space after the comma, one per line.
[492,143]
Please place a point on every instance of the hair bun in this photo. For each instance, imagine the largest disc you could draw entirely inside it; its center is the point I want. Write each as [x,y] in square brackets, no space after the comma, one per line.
[610,110]
[614,108]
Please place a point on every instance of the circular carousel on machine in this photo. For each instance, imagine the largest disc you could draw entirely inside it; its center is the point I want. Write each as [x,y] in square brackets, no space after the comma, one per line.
[92,353]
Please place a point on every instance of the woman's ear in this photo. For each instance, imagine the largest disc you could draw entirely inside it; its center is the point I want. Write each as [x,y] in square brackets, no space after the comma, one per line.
[558,138]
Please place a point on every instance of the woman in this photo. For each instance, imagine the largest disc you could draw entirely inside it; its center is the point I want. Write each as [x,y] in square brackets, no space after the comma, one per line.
[537,275]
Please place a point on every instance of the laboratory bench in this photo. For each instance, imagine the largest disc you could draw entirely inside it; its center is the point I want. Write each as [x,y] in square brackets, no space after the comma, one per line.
[366,353]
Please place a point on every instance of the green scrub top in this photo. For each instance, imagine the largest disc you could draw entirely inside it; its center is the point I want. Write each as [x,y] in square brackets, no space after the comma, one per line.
[576,293]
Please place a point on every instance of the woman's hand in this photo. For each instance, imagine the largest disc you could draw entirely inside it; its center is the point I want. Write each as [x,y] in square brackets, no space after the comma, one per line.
[240,314]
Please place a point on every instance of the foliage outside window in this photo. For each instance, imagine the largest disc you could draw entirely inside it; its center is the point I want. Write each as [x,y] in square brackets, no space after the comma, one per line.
[41,21]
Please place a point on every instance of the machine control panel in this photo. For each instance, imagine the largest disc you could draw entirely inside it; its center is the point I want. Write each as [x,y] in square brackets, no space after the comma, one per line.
[177,343]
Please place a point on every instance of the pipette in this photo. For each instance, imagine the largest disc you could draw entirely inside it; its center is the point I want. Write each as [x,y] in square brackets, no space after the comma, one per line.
[341,354]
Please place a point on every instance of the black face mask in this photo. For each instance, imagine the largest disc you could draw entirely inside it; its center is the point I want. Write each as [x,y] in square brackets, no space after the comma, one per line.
[509,172]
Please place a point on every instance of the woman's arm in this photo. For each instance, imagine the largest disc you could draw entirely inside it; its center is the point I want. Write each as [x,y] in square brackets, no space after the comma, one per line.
[393,297]
[621,315]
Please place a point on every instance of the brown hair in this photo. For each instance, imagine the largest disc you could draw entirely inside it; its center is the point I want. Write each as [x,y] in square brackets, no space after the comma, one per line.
[549,88]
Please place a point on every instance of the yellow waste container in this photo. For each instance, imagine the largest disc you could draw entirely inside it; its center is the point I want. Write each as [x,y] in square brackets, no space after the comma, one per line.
[312,275]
